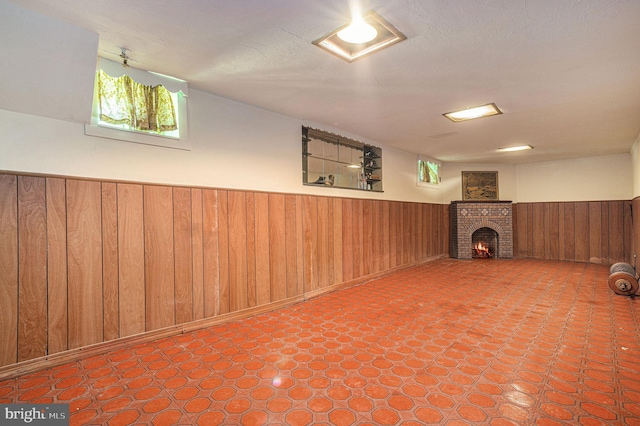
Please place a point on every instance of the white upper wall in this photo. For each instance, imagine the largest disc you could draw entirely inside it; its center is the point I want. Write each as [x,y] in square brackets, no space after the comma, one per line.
[48,67]
[635,159]
[233,146]
[583,179]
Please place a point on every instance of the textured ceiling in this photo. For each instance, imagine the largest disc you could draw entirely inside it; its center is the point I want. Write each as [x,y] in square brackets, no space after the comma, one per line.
[565,73]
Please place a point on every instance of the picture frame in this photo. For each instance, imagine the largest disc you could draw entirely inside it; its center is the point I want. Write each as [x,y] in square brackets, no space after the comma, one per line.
[479,186]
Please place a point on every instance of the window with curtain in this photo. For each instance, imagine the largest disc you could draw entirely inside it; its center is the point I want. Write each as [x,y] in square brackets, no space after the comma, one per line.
[125,102]
[139,106]
[428,172]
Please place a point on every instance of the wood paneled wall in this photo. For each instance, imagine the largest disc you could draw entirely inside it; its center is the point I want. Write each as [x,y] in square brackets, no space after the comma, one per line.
[85,261]
[635,218]
[594,232]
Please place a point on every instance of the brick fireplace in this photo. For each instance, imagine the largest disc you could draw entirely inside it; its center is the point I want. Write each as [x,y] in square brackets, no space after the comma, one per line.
[490,221]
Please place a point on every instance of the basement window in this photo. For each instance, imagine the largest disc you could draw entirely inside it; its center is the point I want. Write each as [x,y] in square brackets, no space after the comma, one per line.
[428,173]
[138,106]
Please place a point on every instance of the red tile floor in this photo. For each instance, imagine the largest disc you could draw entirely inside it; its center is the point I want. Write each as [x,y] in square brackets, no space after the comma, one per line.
[500,342]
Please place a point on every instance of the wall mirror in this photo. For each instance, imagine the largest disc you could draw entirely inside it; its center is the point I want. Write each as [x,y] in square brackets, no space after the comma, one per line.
[339,162]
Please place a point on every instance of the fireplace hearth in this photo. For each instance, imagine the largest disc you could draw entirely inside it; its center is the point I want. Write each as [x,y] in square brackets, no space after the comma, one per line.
[489,223]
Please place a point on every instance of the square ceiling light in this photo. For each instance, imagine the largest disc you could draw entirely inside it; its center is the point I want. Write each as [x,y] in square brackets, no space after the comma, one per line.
[476,112]
[385,35]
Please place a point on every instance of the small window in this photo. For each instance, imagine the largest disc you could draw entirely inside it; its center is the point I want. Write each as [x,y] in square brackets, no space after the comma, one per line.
[138,106]
[428,172]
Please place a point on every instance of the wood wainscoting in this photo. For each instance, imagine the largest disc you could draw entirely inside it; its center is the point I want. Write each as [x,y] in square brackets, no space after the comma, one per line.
[635,245]
[84,262]
[595,231]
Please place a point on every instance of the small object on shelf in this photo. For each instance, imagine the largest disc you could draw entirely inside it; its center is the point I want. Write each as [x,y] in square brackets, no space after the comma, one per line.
[329,180]
[325,181]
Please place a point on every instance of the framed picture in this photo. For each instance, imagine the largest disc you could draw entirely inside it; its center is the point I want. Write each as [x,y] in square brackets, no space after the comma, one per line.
[479,186]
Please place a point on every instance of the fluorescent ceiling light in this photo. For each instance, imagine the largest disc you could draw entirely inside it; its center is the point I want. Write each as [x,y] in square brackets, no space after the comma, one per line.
[475,112]
[354,166]
[515,148]
[340,44]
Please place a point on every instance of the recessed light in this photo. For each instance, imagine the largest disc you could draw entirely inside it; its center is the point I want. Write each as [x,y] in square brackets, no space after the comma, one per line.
[475,112]
[377,33]
[515,148]
[358,32]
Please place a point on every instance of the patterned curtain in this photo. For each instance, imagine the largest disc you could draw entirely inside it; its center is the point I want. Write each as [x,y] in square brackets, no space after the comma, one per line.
[428,172]
[423,172]
[145,108]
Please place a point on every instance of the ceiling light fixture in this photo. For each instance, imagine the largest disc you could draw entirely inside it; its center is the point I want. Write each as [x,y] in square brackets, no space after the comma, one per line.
[515,148]
[125,57]
[475,112]
[376,32]
[358,32]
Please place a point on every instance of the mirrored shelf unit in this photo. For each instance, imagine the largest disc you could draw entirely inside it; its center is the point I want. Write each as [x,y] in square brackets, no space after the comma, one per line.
[335,161]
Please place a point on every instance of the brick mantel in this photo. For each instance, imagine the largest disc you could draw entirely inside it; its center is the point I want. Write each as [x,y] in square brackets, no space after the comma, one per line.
[469,216]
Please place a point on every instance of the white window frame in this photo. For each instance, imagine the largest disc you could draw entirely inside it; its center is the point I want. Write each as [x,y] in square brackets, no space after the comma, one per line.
[428,184]
[180,87]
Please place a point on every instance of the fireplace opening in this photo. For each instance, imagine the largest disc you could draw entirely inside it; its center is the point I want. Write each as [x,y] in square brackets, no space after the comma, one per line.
[484,244]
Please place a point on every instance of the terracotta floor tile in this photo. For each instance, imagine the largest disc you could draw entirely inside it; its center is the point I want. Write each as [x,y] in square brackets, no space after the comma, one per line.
[472,414]
[320,404]
[240,405]
[517,414]
[557,411]
[441,401]
[632,395]
[125,417]
[412,390]
[342,417]
[361,404]
[385,416]
[481,400]
[526,342]
[85,417]
[428,415]
[548,422]
[167,417]
[599,411]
